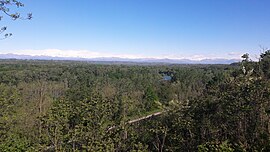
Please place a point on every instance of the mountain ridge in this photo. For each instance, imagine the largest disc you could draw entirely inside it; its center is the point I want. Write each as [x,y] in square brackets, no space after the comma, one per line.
[119,59]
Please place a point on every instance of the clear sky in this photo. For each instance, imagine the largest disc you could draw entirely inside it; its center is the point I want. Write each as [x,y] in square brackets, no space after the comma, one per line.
[141,28]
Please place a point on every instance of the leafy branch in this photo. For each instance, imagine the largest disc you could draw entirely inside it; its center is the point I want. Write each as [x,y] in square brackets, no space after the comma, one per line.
[5,9]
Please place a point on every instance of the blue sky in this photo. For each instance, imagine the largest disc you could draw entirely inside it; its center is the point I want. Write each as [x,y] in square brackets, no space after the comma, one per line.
[192,29]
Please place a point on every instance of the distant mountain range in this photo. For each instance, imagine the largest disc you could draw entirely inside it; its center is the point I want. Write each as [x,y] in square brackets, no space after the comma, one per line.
[116,59]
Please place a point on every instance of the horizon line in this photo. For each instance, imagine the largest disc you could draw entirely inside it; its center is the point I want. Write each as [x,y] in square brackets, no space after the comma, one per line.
[85,54]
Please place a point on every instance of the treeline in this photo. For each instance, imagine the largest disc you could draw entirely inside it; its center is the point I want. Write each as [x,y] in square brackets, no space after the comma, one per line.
[80,106]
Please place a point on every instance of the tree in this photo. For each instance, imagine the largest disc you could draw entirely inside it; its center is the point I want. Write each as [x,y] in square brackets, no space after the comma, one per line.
[5,6]
[245,57]
[265,63]
[151,99]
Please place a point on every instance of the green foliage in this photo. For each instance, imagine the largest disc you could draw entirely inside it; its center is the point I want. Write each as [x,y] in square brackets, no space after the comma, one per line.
[77,106]
[265,63]
[151,99]
[15,143]
[208,147]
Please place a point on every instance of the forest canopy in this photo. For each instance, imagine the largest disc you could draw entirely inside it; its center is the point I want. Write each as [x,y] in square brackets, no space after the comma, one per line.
[80,106]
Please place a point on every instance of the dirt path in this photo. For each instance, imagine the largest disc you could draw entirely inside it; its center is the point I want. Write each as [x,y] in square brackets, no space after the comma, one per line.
[139,119]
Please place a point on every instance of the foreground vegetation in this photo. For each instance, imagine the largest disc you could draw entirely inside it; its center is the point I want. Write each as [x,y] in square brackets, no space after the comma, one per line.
[78,106]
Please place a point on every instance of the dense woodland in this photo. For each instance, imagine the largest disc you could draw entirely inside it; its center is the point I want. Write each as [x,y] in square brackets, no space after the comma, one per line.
[80,106]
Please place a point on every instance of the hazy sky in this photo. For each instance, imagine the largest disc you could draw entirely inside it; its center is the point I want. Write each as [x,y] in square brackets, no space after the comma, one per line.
[140,28]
